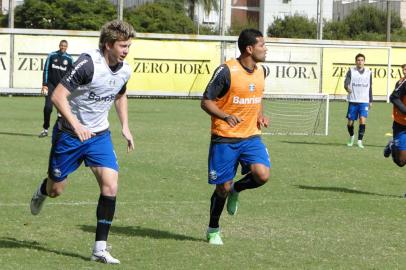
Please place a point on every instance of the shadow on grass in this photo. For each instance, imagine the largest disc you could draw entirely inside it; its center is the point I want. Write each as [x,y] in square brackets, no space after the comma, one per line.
[18,134]
[343,144]
[144,232]
[345,190]
[9,242]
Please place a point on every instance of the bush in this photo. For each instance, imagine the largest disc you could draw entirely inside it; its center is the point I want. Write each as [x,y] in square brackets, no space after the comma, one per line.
[296,26]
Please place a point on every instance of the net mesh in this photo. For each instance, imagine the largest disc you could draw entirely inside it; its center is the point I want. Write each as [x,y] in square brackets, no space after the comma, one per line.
[296,114]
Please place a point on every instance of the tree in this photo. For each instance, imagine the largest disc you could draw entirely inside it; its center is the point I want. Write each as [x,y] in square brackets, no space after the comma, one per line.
[336,30]
[64,14]
[295,26]
[208,5]
[160,17]
[3,20]
[369,19]
[364,23]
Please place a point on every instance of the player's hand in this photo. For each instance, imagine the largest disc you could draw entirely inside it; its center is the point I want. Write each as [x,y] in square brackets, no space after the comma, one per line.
[44,90]
[262,121]
[129,137]
[232,120]
[83,133]
[349,90]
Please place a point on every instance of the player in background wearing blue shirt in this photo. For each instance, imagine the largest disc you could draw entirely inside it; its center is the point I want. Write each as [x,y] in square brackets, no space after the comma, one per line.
[83,98]
[56,66]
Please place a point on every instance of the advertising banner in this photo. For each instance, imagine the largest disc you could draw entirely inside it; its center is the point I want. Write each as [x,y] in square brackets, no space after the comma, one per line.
[162,67]
[4,60]
[293,69]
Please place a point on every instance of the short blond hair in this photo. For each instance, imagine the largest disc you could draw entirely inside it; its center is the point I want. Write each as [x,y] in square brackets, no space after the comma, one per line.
[113,31]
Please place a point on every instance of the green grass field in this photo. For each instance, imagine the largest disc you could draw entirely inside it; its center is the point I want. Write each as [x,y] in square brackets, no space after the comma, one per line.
[327,206]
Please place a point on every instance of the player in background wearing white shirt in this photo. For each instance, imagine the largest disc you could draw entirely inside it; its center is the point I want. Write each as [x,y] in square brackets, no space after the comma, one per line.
[358,84]
[84,97]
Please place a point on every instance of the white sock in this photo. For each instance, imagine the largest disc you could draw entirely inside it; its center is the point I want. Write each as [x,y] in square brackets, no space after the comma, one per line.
[99,245]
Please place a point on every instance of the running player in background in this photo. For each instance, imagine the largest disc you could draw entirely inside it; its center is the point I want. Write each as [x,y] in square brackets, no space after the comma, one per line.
[233,99]
[397,146]
[56,66]
[358,84]
[84,97]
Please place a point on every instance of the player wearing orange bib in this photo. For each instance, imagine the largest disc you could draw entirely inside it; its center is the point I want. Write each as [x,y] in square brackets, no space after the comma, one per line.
[397,146]
[233,99]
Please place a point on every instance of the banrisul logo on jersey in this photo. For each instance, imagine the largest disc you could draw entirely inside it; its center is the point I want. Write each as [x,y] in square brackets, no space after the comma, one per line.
[95,97]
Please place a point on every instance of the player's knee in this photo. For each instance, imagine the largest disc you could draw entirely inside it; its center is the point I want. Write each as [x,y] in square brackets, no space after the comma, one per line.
[400,163]
[262,176]
[110,190]
[223,190]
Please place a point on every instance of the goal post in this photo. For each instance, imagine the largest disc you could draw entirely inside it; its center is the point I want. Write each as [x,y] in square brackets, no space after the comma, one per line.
[296,114]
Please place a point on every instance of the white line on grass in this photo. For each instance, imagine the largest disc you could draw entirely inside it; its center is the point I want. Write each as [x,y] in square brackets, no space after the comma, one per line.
[200,202]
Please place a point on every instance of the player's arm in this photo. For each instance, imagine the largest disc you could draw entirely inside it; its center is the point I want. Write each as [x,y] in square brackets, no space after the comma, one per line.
[262,120]
[45,76]
[371,97]
[397,96]
[70,61]
[80,74]
[347,82]
[217,88]
[60,100]
[121,104]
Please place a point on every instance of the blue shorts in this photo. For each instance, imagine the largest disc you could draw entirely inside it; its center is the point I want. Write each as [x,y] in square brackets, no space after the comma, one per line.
[225,157]
[399,136]
[356,110]
[68,152]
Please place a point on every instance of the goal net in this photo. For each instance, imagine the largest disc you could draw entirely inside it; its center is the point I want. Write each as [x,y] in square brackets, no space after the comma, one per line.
[296,114]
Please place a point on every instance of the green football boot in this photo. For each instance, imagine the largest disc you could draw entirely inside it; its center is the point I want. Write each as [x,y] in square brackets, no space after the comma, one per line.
[214,238]
[232,203]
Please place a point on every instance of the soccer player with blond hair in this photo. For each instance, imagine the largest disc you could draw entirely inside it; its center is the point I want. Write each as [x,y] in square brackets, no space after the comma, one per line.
[84,97]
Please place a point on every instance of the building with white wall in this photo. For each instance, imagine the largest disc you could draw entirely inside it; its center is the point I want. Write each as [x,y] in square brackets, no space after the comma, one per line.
[262,13]
[343,8]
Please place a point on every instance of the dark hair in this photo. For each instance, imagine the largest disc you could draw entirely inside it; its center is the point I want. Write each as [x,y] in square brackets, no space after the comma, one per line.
[403,66]
[359,55]
[63,41]
[248,37]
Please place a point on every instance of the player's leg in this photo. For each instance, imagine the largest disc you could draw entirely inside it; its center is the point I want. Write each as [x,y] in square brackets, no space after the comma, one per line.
[387,151]
[107,179]
[398,148]
[363,115]
[64,158]
[256,165]
[100,157]
[217,202]
[222,167]
[352,115]
[48,188]
[47,112]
